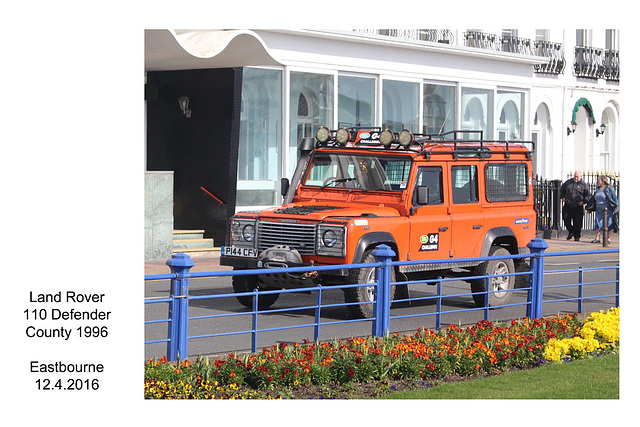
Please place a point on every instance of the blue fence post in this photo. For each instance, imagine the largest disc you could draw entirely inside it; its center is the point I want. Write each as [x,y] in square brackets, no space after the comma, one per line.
[382,305]
[537,247]
[180,265]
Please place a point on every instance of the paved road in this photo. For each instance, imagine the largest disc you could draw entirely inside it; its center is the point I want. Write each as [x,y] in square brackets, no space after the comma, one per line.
[405,317]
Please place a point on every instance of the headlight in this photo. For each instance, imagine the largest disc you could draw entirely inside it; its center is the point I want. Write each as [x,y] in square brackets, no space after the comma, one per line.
[249,232]
[331,240]
[243,232]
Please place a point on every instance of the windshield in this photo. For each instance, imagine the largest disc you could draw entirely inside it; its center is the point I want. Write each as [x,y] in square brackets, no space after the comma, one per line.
[358,171]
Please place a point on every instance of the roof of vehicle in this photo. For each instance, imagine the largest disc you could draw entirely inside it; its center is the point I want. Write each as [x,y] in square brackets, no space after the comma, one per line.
[458,143]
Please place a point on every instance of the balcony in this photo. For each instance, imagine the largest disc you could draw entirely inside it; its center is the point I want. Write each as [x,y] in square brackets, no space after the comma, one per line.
[597,63]
[554,52]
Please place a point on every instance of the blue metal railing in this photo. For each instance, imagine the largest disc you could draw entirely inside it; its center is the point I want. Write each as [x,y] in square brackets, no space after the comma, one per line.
[178,301]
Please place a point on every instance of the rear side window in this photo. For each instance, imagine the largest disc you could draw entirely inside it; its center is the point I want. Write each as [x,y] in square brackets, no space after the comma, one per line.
[506,182]
[464,182]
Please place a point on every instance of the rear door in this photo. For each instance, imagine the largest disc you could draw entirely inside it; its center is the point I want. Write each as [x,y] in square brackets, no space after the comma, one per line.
[467,218]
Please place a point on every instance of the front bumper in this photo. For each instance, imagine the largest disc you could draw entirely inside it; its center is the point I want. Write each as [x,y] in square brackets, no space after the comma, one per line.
[275,257]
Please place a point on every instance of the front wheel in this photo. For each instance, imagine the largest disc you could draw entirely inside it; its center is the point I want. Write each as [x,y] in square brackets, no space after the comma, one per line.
[364,295]
[496,284]
[242,284]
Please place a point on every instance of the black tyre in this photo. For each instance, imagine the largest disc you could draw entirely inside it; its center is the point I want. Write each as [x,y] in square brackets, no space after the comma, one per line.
[364,294]
[243,284]
[494,267]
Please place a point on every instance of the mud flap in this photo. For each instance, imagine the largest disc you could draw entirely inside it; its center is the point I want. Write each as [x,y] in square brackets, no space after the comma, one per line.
[402,292]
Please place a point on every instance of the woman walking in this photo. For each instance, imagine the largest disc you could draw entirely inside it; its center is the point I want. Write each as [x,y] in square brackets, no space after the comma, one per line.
[605,197]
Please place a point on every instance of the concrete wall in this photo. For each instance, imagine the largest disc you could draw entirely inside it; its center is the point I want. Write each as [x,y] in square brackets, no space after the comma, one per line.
[158,215]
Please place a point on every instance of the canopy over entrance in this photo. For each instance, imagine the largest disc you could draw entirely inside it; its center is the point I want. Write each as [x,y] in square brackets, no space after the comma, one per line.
[583,102]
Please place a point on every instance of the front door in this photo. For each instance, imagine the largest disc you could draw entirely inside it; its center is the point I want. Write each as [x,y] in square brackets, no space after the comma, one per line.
[430,234]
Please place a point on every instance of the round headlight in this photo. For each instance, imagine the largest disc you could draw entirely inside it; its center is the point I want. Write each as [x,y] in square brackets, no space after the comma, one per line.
[249,233]
[386,137]
[329,238]
[406,138]
[343,135]
[323,134]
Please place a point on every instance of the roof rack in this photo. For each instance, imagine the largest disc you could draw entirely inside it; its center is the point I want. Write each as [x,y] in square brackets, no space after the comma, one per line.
[459,143]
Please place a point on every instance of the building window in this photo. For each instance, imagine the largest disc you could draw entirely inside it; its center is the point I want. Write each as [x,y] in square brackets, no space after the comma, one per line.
[356,101]
[542,35]
[477,110]
[611,39]
[583,37]
[510,107]
[400,105]
[439,108]
[311,106]
[259,162]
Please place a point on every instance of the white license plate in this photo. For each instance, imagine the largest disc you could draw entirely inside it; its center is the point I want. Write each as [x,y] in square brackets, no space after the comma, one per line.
[241,252]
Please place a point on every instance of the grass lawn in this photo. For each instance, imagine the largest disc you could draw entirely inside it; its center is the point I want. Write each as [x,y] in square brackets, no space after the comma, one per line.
[596,378]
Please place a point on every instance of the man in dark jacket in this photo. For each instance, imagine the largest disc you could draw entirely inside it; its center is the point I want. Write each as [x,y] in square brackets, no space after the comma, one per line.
[575,194]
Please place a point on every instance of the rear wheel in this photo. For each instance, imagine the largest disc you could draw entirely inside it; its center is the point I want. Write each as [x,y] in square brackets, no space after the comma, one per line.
[365,295]
[242,284]
[496,284]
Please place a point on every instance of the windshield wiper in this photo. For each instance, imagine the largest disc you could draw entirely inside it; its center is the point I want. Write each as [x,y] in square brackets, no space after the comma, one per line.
[334,180]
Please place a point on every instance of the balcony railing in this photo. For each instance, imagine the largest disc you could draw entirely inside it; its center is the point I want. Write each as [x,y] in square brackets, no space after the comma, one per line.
[437,36]
[516,45]
[612,65]
[481,40]
[589,62]
[554,52]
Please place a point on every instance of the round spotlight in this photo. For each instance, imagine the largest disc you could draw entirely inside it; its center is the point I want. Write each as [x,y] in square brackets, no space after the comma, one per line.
[343,135]
[323,134]
[405,138]
[387,137]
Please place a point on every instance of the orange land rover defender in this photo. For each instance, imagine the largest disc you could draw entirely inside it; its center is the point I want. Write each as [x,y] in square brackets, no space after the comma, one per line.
[446,196]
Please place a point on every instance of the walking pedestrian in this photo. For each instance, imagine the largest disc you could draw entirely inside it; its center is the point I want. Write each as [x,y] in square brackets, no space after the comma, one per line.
[574,193]
[605,197]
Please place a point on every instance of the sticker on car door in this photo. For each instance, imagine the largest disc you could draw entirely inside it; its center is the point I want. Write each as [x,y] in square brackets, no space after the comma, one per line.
[429,242]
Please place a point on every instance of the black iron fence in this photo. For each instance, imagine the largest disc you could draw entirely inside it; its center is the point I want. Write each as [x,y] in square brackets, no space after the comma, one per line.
[548,205]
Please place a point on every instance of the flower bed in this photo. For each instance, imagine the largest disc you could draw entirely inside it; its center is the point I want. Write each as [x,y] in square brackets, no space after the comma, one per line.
[601,332]
[331,367]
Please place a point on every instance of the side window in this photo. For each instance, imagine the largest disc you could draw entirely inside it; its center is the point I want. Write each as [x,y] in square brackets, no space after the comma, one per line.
[429,176]
[464,182]
[506,182]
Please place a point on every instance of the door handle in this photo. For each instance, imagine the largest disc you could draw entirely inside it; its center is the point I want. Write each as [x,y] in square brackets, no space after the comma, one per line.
[477,226]
[443,228]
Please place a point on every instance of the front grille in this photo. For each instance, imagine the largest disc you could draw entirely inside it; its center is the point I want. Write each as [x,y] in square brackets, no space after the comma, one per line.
[301,237]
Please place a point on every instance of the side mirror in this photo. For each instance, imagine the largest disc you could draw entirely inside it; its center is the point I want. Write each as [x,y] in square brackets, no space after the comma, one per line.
[284,186]
[423,195]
